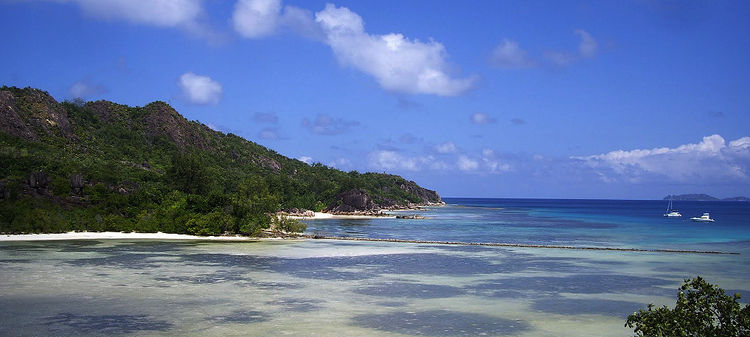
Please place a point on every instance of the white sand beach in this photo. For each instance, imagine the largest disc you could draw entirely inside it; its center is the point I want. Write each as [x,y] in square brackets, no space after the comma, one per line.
[321,215]
[119,236]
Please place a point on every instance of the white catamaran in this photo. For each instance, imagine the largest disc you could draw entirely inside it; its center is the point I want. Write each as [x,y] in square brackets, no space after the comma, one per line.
[671,213]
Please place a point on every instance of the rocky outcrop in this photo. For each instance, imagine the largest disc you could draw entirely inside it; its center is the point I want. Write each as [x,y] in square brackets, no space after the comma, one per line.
[162,120]
[266,162]
[352,201]
[427,196]
[38,182]
[76,184]
[33,114]
[10,121]
[106,111]
[298,212]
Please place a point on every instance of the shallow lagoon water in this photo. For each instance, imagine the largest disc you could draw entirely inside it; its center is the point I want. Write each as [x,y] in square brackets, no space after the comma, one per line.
[322,287]
[353,288]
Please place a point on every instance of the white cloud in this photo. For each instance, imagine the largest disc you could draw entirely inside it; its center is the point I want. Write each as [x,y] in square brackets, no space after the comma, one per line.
[260,18]
[392,160]
[84,88]
[199,89]
[166,13]
[467,164]
[447,147]
[256,18]
[305,159]
[510,55]
[340,163]
[397,63]
[709,160]
[492,164]
[587,47]
[481,118]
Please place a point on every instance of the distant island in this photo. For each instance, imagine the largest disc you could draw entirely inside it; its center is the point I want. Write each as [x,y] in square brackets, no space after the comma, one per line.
[702,197]
[103,166]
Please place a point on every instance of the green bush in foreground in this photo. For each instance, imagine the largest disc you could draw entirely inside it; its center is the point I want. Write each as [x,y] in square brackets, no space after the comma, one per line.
[702,310]
[285,224]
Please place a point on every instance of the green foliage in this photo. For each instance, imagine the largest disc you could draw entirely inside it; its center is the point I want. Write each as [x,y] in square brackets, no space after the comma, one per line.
[252,205]
[60,186]
[285,224]
[146,175]
[188,173]
[214,223]
[702,310]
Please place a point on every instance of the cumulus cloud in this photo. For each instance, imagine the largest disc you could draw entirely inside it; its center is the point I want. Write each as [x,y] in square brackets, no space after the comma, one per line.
[710,160]
[166,13]
[481,118]
[465,163]
[260,18]
[84,88]
[327,125]
[447,147]
[492,163]
[305,159]
[256,18]
[392,160]
[198,89]
[510,55]
[398,63]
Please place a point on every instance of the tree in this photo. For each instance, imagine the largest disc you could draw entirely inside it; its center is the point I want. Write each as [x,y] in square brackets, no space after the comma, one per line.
[284,224]
[702,310]
[252,204]
[188,173]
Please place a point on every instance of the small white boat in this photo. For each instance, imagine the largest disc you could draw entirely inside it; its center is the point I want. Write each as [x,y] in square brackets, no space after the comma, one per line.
[703,218]
[671,213]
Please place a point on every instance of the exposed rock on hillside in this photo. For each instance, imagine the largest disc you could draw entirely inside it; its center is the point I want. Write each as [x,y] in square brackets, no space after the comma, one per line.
[355,200]
[162,120]
[33,114]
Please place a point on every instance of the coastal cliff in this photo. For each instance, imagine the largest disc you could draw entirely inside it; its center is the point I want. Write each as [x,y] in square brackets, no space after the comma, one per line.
[107,166]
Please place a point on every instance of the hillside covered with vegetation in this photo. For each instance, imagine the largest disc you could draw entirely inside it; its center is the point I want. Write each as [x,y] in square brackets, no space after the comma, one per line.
[104,166]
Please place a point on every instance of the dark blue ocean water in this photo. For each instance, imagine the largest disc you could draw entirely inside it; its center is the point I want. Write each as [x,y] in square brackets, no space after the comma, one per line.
[598,223]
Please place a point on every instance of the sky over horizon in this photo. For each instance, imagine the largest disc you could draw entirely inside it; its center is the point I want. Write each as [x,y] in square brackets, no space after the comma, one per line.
[530,99]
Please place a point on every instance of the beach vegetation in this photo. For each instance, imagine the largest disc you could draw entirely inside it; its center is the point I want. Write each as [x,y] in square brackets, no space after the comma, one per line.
[285,224]
[702,310]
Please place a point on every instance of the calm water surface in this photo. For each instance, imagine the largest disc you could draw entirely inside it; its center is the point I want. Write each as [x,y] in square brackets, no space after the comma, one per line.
[324,288]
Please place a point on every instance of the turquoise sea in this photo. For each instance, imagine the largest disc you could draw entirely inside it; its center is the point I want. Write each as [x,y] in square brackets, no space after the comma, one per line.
[360,288]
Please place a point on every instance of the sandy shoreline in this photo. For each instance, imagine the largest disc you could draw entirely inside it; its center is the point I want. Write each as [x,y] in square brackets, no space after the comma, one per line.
[121,236]
[321,215]
[163,236]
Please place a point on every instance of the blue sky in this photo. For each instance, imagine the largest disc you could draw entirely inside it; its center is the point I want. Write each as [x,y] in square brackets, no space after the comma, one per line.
[567,99]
